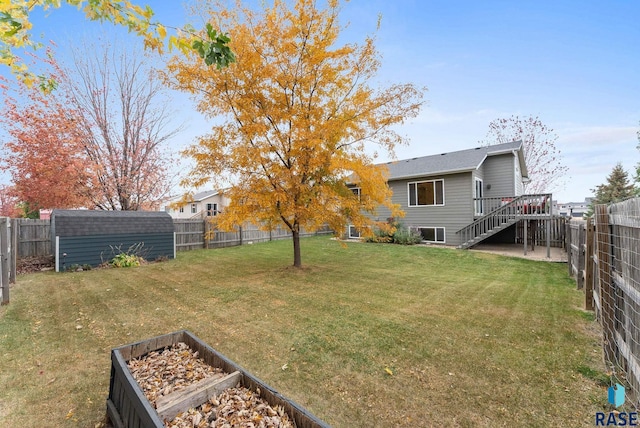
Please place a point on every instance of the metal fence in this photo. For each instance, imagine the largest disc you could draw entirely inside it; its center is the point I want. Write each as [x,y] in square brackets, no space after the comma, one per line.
[604,257]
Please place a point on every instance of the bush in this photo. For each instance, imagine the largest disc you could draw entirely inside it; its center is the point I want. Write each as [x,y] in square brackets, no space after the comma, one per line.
[405,236]
[131,257]
[125,260]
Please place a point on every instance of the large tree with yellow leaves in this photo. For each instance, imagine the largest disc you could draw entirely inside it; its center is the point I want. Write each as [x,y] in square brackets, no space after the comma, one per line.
[299,115]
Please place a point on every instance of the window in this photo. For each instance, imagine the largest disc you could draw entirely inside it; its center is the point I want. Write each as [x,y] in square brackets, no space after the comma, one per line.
[423,193]
[356,191]
[432,234]
[181,209]
[194,208]
[353,232]
[212,209]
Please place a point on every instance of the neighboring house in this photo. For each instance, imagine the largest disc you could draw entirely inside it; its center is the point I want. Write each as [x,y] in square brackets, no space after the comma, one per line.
[203,204]
[462,197]
[574,209]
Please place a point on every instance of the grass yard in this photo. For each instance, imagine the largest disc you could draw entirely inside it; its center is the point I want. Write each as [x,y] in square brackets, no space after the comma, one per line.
[472,339]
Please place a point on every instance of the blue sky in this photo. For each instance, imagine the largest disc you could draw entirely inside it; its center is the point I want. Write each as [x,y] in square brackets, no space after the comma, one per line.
[573,64]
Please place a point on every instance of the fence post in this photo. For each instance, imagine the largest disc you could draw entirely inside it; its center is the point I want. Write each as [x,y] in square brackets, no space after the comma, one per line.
[607,295]
[13,252]
[581,257]
[588,280]
[567,244]
[4,259]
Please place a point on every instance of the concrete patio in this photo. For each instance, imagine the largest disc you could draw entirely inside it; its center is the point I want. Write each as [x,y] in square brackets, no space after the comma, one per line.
[558,255]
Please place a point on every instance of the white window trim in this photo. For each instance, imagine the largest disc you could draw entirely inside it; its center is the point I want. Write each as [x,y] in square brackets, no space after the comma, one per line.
[359,191]
[478,204]
[444,232]
[349,232]
[425,181]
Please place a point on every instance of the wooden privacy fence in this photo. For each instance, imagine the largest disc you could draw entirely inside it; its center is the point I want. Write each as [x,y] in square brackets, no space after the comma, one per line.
[604,257]
[196,233]
[34,237]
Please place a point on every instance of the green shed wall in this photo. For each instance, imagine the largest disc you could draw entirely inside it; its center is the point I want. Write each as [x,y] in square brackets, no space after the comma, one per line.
[96,249]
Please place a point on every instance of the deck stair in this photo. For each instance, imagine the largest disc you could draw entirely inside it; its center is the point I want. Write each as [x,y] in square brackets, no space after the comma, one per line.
[510,211]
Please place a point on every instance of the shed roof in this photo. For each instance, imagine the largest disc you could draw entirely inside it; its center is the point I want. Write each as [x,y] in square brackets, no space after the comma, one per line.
[452,162]
[97,222]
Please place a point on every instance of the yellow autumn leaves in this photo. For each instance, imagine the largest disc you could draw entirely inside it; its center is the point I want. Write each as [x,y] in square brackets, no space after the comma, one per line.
[15,30]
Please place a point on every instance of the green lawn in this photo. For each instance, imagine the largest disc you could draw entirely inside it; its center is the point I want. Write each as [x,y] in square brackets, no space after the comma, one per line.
[472,339]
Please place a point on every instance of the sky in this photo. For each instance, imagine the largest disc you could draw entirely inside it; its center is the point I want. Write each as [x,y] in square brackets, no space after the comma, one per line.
[573,64]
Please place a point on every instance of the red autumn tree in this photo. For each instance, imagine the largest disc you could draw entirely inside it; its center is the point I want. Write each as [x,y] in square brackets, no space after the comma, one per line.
[44,152]
[8,202]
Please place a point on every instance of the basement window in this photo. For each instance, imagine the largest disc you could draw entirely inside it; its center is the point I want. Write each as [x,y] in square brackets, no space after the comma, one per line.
[432,234]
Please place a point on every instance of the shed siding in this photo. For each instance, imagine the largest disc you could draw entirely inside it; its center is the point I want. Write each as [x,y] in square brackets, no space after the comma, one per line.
[96,249]
[499,173]
[456,213]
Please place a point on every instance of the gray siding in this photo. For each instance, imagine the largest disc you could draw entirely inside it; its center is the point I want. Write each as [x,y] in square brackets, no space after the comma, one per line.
[96,249]
[456,213]
[499,173]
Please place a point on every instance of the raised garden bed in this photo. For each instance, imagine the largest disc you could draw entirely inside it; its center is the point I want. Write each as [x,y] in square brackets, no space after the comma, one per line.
[192,382]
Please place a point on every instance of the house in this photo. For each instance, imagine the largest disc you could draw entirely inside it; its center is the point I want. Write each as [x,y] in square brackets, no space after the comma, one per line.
[574,209]
[461,198]
[203,204]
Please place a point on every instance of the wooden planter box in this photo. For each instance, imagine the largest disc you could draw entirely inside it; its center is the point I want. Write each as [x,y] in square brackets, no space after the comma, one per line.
[128,407]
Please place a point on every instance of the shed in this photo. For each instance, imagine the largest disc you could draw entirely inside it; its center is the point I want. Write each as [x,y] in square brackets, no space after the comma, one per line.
[87,237]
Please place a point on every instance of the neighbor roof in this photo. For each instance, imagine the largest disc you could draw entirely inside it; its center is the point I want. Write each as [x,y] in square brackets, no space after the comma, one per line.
[452,162]
[204,195]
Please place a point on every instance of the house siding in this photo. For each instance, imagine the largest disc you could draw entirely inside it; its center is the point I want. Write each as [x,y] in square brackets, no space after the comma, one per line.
[201,207]
[456,212]
[499,173]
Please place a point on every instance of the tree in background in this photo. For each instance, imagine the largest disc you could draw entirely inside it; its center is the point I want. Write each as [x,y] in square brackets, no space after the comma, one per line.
[616,189]
[8,202]
[96,141]
[542,157]
[44,155]
[124,126]
[15,33]
[299,113]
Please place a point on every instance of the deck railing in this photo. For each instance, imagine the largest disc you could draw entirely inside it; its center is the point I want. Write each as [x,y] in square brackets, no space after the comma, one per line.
[494,214]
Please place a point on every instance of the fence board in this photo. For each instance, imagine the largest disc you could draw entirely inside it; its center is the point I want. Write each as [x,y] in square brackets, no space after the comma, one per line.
[189,234]
[34,237]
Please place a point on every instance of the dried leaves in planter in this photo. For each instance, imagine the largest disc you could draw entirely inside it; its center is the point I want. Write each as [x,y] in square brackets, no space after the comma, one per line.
[235,407]
[162,372]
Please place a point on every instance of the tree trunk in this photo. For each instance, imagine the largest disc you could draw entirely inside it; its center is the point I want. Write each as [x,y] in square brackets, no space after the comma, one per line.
[297,259]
